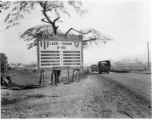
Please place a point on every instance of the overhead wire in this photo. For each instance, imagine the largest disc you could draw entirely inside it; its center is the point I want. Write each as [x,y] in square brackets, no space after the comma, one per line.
[17,52]
[126,42]
[16,47]
[12,46]
[32,17]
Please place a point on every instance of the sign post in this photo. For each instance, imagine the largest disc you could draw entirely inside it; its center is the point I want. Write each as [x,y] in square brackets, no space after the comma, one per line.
[58,52]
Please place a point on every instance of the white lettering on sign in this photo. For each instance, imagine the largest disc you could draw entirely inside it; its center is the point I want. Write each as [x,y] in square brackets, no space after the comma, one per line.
[54,43]
[61,47]
[66,43]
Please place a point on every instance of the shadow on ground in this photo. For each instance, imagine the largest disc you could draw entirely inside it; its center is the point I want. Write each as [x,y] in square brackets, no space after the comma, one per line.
[94,73]
[20,87]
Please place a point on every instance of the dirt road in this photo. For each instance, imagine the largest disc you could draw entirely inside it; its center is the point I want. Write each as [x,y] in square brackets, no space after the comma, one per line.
[140,83]
[93,97]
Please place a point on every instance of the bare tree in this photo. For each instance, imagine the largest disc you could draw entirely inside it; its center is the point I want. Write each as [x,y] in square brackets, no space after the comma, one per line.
[22,8]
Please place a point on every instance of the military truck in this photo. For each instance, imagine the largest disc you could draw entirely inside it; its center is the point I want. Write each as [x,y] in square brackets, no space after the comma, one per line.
[94,67]
[104,66]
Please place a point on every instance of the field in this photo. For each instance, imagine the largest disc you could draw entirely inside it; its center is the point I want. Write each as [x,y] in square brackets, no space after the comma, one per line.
[141,68]
[131,66]
[32,77]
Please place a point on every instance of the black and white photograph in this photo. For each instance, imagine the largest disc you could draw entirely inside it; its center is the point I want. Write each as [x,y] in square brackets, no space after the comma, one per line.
[76,59]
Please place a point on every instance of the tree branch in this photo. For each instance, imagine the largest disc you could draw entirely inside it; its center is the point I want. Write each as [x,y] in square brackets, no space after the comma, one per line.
[50,9]
[77,31]
[46,16]
[93,39]
[41,4]
[44,21]
[56,19]
[44,12]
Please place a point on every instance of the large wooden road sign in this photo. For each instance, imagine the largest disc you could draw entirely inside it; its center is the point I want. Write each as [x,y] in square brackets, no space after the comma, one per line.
[58,52]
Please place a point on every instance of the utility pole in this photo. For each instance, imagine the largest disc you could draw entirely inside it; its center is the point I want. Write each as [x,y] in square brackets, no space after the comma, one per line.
[148,55]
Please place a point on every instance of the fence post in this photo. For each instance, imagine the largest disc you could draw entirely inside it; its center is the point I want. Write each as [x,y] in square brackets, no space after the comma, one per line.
[51,78]
[68,76]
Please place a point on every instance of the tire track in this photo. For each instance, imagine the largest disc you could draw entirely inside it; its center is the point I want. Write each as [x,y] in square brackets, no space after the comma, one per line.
[126,101]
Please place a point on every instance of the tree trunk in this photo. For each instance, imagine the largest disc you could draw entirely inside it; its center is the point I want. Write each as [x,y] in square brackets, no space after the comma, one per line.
[56,72]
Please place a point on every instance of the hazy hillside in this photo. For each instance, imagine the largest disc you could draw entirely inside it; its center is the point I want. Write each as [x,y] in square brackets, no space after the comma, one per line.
[126,59]
[140,57]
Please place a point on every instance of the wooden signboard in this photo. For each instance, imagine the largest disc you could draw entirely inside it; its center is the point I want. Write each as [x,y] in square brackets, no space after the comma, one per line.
[57,52]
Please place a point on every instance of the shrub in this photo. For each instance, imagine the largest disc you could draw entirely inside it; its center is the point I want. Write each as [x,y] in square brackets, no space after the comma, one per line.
[4,63]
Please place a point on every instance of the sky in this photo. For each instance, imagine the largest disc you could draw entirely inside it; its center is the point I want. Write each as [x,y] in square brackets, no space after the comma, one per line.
[127,22]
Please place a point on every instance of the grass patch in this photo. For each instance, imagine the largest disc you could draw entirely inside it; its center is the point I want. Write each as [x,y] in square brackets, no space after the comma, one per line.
[29,79]
[36,96]
[120,71]
[6,101]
